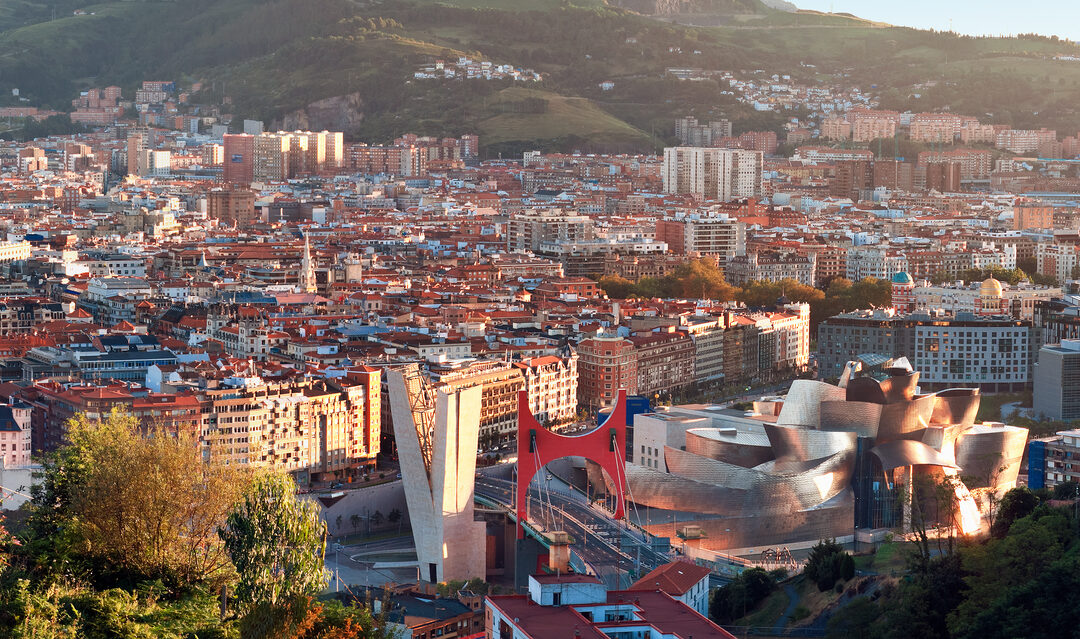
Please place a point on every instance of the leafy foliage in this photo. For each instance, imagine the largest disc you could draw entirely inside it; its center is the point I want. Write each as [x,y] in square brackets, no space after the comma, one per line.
[302,617]
[277,543]
[451,588]
[1016,504]
[828,564]
[1020,582]
[696,279]
[1010,276]
[762,293]
[121,540]
[742,595]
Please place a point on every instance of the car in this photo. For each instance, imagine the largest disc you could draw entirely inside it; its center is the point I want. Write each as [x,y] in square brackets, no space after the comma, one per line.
[399,475]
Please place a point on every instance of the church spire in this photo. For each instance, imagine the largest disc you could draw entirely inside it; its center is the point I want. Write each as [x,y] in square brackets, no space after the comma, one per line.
[307,269]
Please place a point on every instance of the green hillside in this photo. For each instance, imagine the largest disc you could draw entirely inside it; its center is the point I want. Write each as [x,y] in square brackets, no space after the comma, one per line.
[272,58]
[556,120]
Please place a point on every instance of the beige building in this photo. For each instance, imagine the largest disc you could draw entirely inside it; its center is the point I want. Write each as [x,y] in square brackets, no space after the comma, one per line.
[14,251]
[835,129]
[552,386]
[1017,301]
[316,429]
[271,158]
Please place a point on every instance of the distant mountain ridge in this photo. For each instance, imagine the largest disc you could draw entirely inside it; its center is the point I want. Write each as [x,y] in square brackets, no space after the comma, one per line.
[604,63]
[780,5]
[680,7]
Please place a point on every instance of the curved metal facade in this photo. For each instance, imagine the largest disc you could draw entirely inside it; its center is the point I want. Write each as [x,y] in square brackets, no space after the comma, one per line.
[990,457]
[742,450]
[800,487]
[802,404]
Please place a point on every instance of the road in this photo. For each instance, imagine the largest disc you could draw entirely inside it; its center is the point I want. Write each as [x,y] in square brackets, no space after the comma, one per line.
[619,554]
[355,564]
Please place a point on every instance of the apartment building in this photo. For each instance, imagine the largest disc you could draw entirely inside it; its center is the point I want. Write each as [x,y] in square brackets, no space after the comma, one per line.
[665,361]
[315,429]
[704,235]
[874,261]
[605,365]
[500,382]
[771,266]
[239,166]
[529,230]
[712,173]
[233,207]
[15,251]
[993,353]
[552,384]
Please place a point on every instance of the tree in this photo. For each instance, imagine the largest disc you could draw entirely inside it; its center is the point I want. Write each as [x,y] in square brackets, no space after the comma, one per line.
[5,540]
[276,541]
[853,620]
[395,518]
[1015,504]
[843,295]
[1032,544]
[763,293]
[828,563]
[306,618]
[354,519]
[699,279]
[741,596]
[377,518]
[337,524]
[1067,490]
[139,503]
[617,288]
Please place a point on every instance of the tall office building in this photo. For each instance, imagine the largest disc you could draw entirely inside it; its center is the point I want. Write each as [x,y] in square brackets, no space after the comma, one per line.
[239,158]
[1057,381]
[717,174]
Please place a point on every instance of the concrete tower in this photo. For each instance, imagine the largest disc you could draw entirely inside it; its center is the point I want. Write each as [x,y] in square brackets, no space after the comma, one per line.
[436,434]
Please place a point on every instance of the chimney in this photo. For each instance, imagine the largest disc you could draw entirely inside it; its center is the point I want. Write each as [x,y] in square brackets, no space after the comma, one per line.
[559,552]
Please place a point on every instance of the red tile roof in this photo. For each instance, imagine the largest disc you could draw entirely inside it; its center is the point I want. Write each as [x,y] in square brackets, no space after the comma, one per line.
[675,578]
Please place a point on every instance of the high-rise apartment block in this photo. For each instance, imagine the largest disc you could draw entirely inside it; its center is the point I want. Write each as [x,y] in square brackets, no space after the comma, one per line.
[710,173]
[271,158]
[716,235]
[690,133]
[277,156]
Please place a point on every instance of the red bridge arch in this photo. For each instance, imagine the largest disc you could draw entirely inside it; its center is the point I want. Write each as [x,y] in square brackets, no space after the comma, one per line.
[606,445]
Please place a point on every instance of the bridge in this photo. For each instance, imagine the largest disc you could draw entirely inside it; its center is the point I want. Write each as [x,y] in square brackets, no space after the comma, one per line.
[616,553]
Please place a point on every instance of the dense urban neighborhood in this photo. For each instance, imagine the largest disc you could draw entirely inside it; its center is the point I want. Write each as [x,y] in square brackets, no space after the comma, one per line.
[803,359]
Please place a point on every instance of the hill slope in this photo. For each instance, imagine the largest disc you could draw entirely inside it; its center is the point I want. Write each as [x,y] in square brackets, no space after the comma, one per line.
[272,59]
